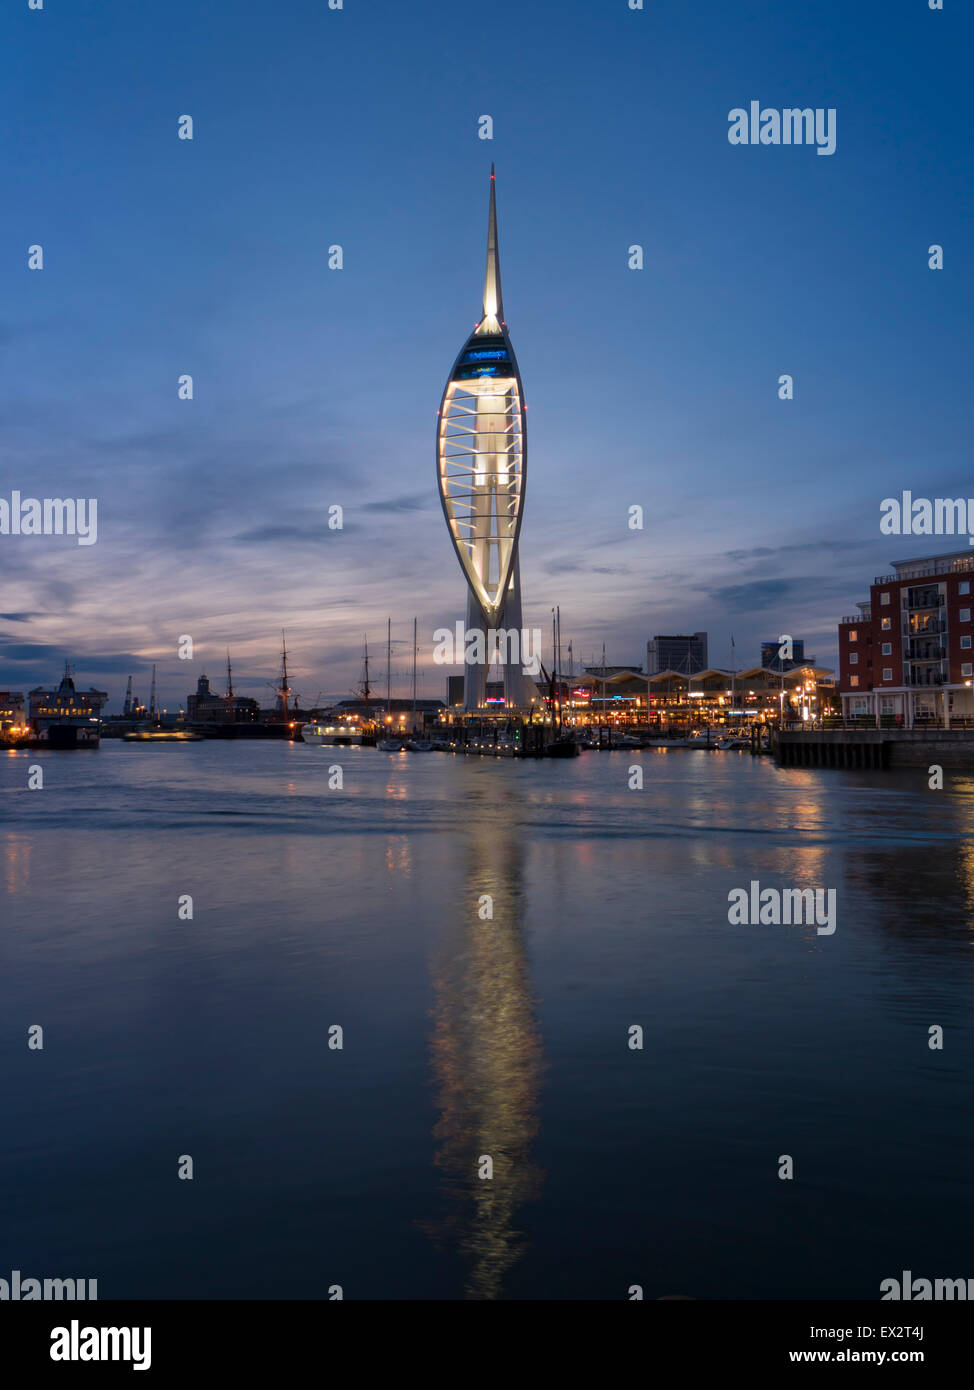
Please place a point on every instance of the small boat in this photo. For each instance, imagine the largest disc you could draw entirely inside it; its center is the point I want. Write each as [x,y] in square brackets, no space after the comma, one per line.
[342,735]
[162,736]
[389,745]
[704,738]
[418,745]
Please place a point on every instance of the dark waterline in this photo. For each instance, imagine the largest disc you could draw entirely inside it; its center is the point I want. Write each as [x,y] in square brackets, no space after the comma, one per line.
[464,1037]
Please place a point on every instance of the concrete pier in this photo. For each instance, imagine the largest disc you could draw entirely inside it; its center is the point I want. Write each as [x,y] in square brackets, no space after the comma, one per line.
[874,748]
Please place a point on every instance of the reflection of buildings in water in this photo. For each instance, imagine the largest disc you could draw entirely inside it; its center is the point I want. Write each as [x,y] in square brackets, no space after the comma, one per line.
[16,863]
[486,1064]
[920,873]
[398,857]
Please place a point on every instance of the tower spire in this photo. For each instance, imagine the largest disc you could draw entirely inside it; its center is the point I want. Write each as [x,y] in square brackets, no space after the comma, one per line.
[493,305]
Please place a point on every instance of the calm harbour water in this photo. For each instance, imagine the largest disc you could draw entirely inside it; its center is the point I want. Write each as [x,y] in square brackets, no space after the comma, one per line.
[462,1037]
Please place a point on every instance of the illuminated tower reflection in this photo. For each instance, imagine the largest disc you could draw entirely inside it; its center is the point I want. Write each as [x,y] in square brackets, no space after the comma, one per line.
[486,1054]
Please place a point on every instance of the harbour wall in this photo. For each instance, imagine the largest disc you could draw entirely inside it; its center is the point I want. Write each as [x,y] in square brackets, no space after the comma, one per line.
[875,748]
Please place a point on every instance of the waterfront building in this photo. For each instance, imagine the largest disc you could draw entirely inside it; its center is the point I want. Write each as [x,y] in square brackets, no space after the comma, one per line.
[686,653]
[65,716]
[205,706]
[907,656]
[673,699]
[397,711]
[481,468]
[12,710]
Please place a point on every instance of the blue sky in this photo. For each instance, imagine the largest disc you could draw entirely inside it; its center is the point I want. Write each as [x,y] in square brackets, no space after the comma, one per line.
[315,387]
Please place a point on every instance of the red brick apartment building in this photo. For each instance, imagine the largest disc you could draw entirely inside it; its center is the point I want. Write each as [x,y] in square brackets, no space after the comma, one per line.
[909,655]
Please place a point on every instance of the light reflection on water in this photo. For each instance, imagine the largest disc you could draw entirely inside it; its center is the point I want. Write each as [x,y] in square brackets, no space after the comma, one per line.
[468,1038]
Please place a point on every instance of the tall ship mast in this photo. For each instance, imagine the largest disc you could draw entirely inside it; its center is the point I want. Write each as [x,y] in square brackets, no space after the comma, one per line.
[284,691]
[365,686]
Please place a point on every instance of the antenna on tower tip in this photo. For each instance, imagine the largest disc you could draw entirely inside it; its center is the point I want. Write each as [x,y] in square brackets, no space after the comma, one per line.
[493,309]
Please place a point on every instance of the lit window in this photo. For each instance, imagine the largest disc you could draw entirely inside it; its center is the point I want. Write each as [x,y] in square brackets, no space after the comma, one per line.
[853,658]
[854,635]
[853,680]
[887,673]
[887,624]
[887,649]
[884,597]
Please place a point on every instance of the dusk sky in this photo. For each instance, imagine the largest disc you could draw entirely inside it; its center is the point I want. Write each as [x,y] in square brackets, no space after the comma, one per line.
[316,387]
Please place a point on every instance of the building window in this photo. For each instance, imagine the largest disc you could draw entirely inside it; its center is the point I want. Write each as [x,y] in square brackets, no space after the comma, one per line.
[884,597]
[887,649]
[964,587]
[853,680]
[854,634]
[853,658]
[887,624]
[887,673]
[967,668]
[965,643]
[965,615]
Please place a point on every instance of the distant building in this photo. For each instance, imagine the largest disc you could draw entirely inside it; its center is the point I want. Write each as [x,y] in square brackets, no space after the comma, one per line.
[685,653]
[65,714]
[376,709]
[205,706]
[909,654]
[11,710]
[771,661]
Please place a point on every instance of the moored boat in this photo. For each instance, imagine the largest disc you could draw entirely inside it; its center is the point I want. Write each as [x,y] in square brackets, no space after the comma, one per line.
[340,735]
[162,736]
